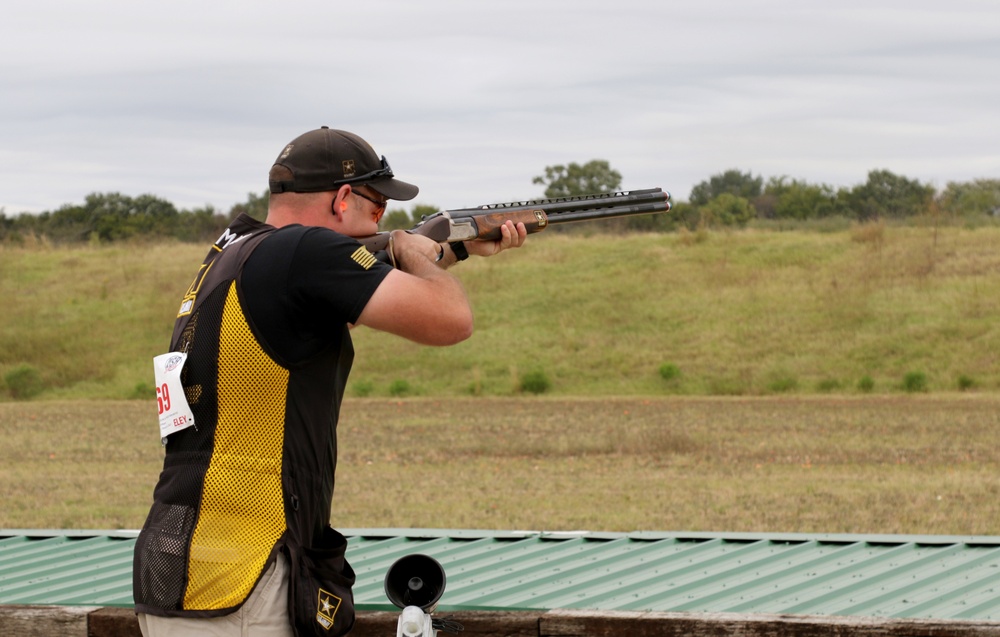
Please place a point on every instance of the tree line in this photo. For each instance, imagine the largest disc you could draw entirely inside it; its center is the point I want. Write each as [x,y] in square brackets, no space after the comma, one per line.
[732,198]
[111,217]
[735,198]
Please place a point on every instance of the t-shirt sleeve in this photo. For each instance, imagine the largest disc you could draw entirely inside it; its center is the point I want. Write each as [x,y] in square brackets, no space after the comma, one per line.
[302,285]
[334,275]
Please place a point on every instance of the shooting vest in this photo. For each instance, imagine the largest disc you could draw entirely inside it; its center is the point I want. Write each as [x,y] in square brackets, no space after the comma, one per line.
[253,476]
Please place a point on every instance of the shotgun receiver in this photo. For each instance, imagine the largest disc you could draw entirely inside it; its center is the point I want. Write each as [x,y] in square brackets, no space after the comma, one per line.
[483,223]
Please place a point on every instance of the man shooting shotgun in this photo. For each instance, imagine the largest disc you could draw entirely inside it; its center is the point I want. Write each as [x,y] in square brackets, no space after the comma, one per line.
[483,224]
[238,540]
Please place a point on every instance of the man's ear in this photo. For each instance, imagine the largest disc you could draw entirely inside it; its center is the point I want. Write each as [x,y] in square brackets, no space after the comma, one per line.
[339,205]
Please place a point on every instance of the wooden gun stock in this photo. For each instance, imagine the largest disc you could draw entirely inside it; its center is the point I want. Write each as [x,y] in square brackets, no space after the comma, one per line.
[488,225]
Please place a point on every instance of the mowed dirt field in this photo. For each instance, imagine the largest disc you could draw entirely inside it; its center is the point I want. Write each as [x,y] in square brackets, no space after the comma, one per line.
[876,464]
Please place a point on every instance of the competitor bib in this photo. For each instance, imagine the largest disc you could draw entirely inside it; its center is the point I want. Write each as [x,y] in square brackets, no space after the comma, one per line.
[172,404]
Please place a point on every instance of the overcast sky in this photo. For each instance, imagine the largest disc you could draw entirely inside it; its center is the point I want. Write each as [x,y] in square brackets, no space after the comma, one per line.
[470,99]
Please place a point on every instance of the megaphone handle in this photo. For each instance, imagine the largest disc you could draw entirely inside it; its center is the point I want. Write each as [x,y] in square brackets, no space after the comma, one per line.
[413,622]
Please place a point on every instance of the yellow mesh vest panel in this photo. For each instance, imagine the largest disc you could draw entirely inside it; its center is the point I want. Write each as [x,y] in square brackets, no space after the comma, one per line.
[242,513]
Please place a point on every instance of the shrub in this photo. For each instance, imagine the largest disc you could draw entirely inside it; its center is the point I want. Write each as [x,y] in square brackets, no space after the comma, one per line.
[782,383]
[143,390]
[24,382]
[965,383]
[363,388]
[669,371]
[866,384]
[828,385]
[399,388]
[535,382]
[914,382]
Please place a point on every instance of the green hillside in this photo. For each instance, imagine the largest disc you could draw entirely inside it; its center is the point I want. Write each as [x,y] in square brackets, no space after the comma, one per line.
[871,309]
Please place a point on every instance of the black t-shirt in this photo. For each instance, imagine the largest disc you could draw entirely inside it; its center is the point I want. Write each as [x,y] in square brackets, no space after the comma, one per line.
[301,286]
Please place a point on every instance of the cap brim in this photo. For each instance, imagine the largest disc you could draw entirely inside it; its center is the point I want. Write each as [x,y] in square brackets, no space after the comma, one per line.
[394,189]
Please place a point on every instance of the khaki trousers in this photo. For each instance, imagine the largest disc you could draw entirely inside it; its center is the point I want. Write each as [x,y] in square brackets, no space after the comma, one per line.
[265,614]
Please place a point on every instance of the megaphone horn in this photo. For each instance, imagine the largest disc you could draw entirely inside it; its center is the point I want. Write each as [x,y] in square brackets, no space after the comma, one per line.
[415,580]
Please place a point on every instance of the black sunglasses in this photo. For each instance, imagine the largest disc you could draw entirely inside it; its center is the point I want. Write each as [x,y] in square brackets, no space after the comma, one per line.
[380,204]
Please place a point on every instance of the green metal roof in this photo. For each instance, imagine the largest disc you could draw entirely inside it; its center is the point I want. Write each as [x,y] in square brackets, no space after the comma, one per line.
[939,577]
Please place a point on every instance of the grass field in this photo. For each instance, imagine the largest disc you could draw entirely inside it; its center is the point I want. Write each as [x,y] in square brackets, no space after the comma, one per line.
[724,381]
[887,464]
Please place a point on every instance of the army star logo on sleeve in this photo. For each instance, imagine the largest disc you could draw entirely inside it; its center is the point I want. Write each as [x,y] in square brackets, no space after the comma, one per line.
[327,609]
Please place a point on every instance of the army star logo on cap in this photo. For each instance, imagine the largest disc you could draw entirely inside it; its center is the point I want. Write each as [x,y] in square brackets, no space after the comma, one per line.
[349,168]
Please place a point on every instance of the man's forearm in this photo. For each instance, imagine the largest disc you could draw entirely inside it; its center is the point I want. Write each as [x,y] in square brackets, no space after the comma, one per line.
[433,271]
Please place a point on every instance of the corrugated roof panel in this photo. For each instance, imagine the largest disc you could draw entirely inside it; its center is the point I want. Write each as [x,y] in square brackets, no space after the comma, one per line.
[885,583]
[66,570]
[608,569]
[875,576]
[525,570]
[878,576]
[795,568]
